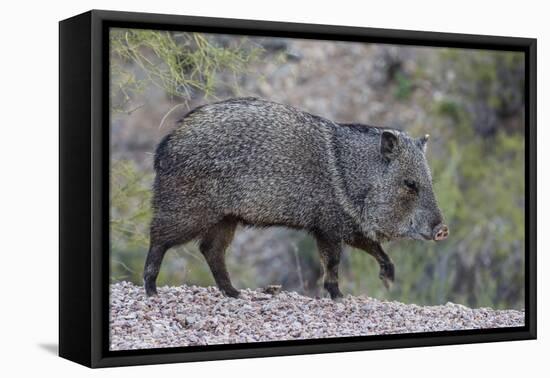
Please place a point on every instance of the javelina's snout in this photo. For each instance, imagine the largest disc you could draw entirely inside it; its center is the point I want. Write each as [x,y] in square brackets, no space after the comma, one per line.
[440,232]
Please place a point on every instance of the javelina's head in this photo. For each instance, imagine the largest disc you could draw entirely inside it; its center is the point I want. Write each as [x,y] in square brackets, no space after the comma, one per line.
[402,203]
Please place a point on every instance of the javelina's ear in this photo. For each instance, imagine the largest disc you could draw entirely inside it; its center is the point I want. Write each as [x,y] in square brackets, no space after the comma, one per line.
[389,144]
[423,142]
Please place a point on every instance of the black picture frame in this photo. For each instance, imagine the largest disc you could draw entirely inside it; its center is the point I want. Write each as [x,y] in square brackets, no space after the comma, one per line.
[84,187]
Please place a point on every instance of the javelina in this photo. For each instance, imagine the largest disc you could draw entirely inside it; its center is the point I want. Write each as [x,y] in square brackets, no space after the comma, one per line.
[259,163]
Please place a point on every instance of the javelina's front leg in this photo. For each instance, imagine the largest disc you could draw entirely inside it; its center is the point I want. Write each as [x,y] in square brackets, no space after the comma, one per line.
[373,248]
[330,251]
[152,267]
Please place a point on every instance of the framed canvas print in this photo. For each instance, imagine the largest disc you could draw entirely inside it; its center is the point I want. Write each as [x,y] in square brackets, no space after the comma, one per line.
[234,188]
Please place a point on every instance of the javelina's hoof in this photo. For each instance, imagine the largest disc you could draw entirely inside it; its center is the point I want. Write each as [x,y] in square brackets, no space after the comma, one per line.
[387,274]
[333,290]
[230,292]
[150,289]
[337,297]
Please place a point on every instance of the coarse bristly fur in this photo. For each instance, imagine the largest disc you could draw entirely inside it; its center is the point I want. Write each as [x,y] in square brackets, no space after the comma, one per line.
[260,163]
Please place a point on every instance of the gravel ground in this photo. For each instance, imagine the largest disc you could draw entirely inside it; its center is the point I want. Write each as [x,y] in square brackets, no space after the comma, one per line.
[192,315]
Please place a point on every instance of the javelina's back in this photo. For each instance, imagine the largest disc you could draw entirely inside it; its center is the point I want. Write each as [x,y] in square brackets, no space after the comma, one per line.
[262,162]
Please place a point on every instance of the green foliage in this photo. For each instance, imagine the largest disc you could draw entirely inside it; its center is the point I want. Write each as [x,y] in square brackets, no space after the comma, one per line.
[489,84]
[130,204]
[130,197]
[404,86]
[450,109]
[478,178]
[178,63]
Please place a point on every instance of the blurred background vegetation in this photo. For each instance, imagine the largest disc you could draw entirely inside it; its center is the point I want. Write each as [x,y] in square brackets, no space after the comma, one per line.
[470,102]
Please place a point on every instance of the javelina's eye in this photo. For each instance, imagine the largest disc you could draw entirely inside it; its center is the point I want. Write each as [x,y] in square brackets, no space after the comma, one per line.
[411,185]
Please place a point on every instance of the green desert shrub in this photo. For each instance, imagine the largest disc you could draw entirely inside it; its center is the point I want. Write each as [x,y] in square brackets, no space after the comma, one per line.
[478,171]
[178,63]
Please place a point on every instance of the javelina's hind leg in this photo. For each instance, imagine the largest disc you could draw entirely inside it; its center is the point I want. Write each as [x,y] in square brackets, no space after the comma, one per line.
[163,236]
[213,245]
[152,267]
[330,251]
[373,248]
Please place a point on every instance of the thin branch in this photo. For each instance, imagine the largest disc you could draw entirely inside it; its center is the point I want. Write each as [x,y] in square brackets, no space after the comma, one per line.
[167,114]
